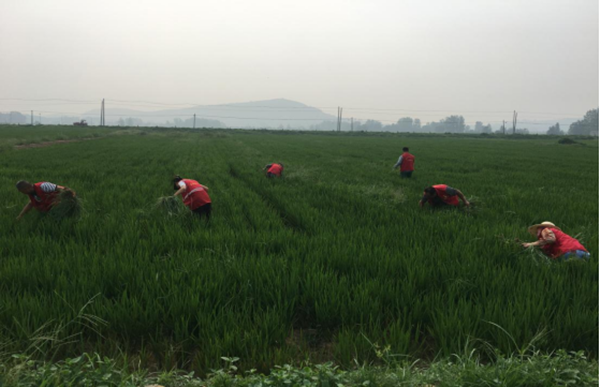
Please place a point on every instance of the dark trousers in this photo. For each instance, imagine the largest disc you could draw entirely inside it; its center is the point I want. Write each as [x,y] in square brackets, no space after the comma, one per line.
[406,174]
[203,210]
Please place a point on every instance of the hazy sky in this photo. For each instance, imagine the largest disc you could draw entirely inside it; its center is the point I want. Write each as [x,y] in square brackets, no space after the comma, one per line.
[424,58]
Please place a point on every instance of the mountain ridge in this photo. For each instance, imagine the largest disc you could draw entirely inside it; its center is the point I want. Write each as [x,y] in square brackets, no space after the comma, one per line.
[259,114]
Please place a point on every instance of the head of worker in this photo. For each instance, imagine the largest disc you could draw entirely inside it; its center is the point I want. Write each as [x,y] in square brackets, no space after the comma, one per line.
[536,229]
[25,187]
[405,149]
[175,180]
[429,193]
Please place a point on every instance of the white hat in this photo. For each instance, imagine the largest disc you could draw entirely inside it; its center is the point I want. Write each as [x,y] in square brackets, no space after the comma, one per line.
[533,229]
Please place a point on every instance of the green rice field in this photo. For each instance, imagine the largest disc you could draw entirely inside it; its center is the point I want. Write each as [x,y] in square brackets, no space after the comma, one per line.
[335,261]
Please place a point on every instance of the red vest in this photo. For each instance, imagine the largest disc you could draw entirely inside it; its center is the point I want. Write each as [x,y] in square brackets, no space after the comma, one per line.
[562,245]
[440,189]
[275,169]
[408,162]
[195,195]
[42,201]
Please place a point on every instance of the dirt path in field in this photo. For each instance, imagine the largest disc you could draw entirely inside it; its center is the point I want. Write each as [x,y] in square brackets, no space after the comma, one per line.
[50,143]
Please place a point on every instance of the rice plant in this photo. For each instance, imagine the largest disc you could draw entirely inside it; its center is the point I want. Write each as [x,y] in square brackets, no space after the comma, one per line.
[68,205]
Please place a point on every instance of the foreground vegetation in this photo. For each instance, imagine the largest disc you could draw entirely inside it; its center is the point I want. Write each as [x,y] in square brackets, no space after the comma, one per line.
[533,369]
[332,261]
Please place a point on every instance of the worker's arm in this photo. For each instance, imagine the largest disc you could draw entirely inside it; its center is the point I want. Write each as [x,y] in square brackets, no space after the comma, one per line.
[179,191]
[546,238]
[398,163]
[25,210]
[203,186]
[462,197]
[423,201]
[267,167]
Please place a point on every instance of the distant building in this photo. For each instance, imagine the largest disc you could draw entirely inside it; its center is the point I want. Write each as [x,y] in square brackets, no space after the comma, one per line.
[594,133]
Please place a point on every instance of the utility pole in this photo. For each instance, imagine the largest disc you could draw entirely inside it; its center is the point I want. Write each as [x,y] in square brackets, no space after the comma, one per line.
[40,118]
[352,124]
[503,127]
[194,120]
[32,118]
[515,114]
[339,120]
[102,123]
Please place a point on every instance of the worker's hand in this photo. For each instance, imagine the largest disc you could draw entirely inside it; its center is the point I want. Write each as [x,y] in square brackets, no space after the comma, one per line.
[467,203]
[526,245]
[420,204]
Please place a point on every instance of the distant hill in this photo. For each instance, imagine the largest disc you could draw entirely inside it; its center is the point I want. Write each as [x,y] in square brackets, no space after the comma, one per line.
[273,113]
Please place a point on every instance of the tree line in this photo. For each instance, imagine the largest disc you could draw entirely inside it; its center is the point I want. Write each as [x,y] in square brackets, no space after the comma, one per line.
[450,124]
[587,126]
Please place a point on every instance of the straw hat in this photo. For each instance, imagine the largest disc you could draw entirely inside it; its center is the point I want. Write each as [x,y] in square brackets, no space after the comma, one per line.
[533,229]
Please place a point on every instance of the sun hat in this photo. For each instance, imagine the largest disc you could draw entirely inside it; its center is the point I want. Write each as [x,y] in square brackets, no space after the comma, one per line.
[533,229]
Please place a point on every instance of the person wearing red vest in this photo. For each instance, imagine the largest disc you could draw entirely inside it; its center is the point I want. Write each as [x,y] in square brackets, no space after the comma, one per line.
[406,162]
[441,195]
[194,196]
[274,170]
[555,243]
[42,196]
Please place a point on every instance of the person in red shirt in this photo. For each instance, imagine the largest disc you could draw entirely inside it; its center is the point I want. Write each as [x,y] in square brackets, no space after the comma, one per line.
[194,196]
[406,162]
[42,196]
[555,243]
[441,195]
[274,170]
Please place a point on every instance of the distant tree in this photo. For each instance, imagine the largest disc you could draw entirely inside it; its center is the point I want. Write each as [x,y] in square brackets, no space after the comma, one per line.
[522,131]
[372,125]
[452,124]
[555,130]
[587,125]
[405,124]
[478,127]
[12,118]
[417,124]
[131,121]
[428,127]
[486,129]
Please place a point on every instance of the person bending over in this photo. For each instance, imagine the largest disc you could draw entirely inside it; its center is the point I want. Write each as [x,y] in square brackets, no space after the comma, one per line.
[194,196]
[442,195]
[555,243]
[274,170]
[42,196]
